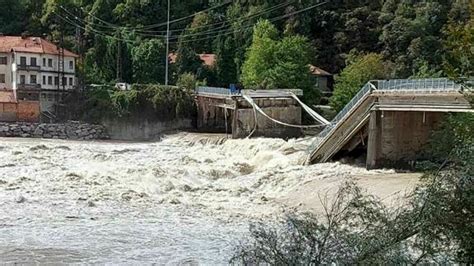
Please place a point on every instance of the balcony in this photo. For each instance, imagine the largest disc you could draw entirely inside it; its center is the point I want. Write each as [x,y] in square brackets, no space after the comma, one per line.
[29,67]
[29,87]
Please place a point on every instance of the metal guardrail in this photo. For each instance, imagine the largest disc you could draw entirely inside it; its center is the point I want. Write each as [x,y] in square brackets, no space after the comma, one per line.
[422,85]
[365,91]
[213,90]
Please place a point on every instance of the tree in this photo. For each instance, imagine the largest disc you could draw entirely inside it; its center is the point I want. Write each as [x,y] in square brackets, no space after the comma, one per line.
[410,35]
[459,46]
[149,61]
[187,61]
[274,63]
[226,68]
[12,16]
[260,56]
[359,71]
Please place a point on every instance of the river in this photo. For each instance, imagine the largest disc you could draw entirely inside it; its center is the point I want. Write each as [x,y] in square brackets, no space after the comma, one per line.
[187,199]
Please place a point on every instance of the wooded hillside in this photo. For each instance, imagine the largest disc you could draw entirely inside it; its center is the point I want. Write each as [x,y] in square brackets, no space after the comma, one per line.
[418,38]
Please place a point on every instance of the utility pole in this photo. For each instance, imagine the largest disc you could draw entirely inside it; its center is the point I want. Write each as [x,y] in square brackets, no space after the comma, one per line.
[167,45]
[119,57]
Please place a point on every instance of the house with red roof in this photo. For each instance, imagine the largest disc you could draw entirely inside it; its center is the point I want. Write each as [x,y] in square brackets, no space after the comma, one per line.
[208,60]
[34,69]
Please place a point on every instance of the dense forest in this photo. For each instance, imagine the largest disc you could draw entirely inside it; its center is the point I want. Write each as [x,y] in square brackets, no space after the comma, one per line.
[126,39]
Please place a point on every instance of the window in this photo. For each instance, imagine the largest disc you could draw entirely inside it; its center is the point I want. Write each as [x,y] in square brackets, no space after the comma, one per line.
[50,62]
[22,79]
[33,61]
[44,62]
[71,81]
[3,60]
[64,81]
[32,79]
[71,64]
[44,80]
[2,78]
[56,80]
[50,80]
[23,61]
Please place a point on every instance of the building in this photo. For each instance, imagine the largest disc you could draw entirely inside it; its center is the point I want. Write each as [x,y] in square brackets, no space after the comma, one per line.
[33,69]
[324,79]
[208,60]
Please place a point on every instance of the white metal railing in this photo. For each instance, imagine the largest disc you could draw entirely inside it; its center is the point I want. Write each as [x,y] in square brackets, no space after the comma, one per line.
[422,85]
[213,90]
[365,91]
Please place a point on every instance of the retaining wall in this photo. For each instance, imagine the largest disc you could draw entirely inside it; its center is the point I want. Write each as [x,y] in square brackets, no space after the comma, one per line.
[141,129]
[70,130]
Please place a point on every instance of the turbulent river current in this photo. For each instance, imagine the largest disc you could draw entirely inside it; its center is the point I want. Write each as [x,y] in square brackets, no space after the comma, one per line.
[187,199]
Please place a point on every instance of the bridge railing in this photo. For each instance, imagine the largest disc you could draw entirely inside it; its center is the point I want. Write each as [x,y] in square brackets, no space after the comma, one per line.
[213,90]
[365,91]
[422,85]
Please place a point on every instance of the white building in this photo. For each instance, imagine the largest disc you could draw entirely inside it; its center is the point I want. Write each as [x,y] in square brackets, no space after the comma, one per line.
[31,68]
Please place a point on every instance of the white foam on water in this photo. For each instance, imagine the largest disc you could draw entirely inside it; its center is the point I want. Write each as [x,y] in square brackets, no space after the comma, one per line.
[186,199]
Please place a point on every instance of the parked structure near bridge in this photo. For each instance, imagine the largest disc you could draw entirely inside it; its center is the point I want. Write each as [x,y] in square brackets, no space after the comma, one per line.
[391,120]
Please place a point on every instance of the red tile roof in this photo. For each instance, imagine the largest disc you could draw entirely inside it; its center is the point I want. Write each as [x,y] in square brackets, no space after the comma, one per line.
[30,45]
[208,59]
[318,71]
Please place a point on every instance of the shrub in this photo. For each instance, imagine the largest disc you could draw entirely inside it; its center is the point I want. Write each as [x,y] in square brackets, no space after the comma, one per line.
[360,70]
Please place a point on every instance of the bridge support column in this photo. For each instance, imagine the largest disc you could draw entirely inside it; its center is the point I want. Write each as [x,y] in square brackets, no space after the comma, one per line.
[396,138]
[374,139]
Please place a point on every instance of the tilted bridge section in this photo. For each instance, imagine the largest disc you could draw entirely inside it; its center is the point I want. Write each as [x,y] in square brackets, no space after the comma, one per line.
[392,119]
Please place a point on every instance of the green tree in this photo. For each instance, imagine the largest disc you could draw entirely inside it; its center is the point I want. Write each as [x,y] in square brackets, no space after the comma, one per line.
[410,35]
[187,61]
[226,68]
[149,61]
[12,16]
[459,45]
[260,56]
[359,71]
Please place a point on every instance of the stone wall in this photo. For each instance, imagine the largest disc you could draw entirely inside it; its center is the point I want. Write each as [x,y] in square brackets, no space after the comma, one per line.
[70,130]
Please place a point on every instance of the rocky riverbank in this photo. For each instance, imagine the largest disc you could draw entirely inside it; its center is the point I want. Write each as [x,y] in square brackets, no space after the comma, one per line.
[69,130]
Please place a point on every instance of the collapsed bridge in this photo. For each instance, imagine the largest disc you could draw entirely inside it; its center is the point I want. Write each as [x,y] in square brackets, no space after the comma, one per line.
[391,120]
[388,121]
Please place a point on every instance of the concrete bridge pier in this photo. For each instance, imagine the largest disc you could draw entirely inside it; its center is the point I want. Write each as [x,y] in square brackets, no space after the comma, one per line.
[397,137]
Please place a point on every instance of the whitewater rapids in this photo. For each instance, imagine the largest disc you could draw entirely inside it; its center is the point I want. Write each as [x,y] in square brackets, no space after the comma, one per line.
[184,200]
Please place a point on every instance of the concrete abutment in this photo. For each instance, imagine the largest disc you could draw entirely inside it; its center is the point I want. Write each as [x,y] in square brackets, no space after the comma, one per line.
[398,137]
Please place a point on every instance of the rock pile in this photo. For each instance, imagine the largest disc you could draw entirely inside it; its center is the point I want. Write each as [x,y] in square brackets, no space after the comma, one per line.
[69,130]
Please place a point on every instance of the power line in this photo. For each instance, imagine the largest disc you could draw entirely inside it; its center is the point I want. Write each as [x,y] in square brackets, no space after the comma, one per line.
[151,26]
[227,32]
[149,33]
[213,32]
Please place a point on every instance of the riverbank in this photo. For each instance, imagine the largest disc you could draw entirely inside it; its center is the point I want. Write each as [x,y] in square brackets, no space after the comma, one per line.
[69,130]
[186,199]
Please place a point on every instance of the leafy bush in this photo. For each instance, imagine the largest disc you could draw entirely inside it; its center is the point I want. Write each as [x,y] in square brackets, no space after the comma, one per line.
[360,70]
[187,81]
